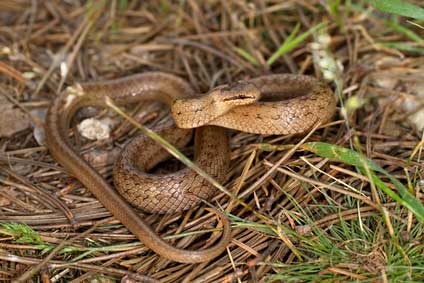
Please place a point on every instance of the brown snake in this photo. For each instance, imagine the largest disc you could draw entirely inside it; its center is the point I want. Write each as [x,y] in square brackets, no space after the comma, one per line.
[273,104]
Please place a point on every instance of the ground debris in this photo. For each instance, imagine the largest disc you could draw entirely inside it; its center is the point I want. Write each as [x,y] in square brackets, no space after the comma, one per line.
[12,119]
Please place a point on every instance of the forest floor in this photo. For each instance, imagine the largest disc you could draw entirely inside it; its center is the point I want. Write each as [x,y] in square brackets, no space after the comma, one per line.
[344,204]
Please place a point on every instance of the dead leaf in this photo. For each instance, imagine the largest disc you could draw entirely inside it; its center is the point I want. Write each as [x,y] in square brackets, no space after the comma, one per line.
[12,121]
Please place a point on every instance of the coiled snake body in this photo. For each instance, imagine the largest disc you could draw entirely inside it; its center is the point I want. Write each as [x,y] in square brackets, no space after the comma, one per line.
[273,104]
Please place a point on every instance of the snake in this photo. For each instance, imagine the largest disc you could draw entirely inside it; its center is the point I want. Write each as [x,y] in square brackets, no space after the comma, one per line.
[276,104]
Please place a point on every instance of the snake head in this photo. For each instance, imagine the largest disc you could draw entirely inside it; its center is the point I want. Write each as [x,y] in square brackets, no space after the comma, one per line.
[200,111]
[235,94]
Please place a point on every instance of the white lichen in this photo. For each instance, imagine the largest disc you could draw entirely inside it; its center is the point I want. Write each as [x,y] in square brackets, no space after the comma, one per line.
[95,129]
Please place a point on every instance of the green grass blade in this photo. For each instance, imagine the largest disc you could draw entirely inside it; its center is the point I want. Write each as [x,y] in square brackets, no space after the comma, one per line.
[283,48]
[122,5]
[292,41]
[93,6]
[403,46]
[246,55]
[399,7]
[334,6]
[22,233]
[401,29]
[353,158]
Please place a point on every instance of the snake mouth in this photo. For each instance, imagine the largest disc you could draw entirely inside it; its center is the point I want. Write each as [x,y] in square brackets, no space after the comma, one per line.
[239,97]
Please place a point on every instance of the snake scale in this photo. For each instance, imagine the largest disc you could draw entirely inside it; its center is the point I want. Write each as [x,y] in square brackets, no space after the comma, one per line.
[271,104]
